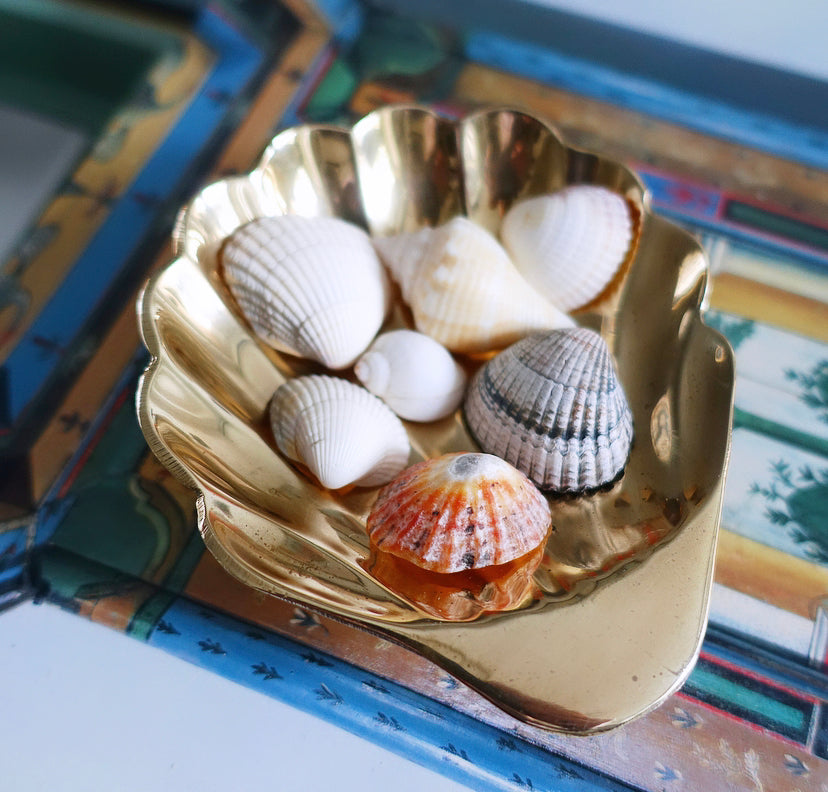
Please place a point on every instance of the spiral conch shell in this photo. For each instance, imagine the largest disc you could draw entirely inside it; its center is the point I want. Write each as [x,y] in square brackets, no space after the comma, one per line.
[458,512]
[570,245]
[340,432]
[552,406]
[312,287]
[462,288]
[413,374]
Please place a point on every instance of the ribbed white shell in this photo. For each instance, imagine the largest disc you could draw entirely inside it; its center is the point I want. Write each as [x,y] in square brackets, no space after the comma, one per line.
[342,433]
[462,288]
[569,245]
[313,287]
[552,406]
[413,374]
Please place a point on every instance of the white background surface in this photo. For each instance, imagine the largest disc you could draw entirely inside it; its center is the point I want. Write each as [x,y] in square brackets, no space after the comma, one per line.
[24,190]
[86,708]
[787,34]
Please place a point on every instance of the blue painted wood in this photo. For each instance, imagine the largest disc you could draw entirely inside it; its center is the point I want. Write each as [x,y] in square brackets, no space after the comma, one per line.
[632,55]
[28,369]
[418,728]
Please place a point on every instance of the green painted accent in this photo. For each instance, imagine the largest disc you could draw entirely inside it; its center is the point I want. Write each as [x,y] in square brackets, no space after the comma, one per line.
[736,329]
[750,700]
[332,94]
[390,45]
[788,227]
[70,575]
[71,63]
[186,563]
[110,520]
[147,616]
[119,450]
[747,420]
[102,524]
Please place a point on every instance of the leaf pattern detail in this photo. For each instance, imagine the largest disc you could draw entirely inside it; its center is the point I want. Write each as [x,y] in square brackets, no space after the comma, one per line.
[213,647]
[166,627]
[664,773]
[390,722]
[684,719]
[795,766]
[306,621]
[452,749]
[310,657]
[265,671]
[324,693]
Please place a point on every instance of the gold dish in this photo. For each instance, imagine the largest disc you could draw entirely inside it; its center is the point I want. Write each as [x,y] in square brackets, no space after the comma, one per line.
[620,622]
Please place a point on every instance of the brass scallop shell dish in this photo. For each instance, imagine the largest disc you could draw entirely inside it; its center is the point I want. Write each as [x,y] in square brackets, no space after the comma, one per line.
[618,605]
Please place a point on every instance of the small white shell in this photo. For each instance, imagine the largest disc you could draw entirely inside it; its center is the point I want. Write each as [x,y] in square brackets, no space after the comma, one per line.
[552,405]
[462,288]
[342,433]
[569,245]
[312,287]
[413,374]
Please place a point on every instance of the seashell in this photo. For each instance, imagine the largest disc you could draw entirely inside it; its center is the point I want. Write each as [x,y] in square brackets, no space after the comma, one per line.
[462,288]
[552,406]
[413,374]
[572,244]
[460,596]
[458,512]
[312,287]
[340,432]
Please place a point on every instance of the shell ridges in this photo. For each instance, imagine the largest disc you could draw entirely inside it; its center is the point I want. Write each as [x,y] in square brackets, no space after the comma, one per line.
[552,406]
[459,511]
[463,289]
[312,287]
[341,432]
[570,245]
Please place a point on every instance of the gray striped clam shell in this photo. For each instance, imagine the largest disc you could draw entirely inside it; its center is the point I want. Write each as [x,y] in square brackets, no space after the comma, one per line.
[552,405]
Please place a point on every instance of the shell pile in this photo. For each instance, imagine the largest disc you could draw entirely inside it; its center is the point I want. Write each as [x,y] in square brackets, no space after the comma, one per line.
[547,410]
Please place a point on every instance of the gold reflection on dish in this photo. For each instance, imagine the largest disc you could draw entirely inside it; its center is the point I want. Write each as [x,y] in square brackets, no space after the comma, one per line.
[627,571]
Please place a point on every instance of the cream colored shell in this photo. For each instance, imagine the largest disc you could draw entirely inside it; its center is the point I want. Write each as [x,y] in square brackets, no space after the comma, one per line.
[413,374]
[312,287]
[462,288]
[569,245]
[343,434]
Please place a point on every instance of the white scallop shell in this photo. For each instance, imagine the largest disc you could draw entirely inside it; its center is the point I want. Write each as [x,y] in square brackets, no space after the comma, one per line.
[552,406]
[462,288]
[340,432]
[313,287]
[413,374]
[569,245]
